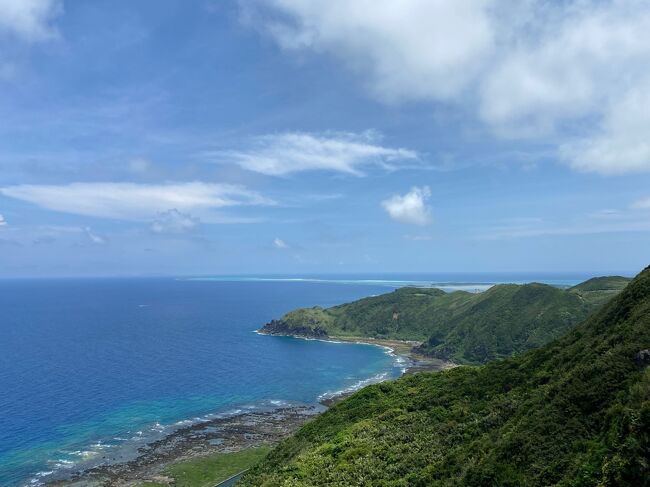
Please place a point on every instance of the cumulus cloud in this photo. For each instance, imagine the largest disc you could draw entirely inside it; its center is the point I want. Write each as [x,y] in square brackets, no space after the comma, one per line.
[623,143]
[282,154]
[3,222]
[174,222]
[410,208]
[135,202]
[528,68]
[279,243]
[29,20]
[409,49]
[569,65]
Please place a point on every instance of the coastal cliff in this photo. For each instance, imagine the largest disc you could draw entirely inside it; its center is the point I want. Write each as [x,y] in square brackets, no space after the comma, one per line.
[282,328]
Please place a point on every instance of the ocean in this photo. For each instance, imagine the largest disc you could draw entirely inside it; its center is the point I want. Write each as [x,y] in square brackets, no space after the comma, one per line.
[90,368]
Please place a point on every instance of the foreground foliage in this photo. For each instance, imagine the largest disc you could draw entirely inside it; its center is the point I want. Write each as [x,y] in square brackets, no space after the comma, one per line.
[209,471]
[467,328]
[575,412]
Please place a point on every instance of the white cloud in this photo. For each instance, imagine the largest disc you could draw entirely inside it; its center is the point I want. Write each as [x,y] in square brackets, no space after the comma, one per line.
[130,201]
[280,244]
[281,154]
[533,68]
[579,57]
[30,20]
[3,222]
[174,222]
[410,208]
[623,143]
[93,237]
[67,235]
[606,214]
[643,204]
[410,49]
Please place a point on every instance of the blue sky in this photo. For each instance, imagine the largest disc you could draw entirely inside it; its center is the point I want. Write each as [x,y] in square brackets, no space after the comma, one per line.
[323,136]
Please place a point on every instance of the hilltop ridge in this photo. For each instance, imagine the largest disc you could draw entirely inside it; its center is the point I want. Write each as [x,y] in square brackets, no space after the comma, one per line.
[463,327]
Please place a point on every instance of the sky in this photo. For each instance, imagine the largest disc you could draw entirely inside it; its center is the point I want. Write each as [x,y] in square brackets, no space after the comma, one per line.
[208,137]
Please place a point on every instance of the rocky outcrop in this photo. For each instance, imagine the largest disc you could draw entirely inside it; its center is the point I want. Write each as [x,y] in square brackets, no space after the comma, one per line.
[279,327]
[441,353]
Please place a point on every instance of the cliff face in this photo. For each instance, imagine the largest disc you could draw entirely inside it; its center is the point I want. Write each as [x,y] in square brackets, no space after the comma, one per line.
[282,328]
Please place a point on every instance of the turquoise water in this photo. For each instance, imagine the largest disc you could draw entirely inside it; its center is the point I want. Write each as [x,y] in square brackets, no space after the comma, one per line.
[89,369]
[92,369]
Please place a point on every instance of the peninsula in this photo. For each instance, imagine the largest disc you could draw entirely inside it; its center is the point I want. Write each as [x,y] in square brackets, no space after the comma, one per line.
[459,327]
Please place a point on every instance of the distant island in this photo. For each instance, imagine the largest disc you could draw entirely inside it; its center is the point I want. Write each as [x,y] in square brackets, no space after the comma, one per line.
[461,327]
[573,412]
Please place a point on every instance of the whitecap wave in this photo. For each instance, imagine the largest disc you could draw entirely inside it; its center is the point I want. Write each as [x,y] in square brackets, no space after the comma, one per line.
[375,379]
[63,463]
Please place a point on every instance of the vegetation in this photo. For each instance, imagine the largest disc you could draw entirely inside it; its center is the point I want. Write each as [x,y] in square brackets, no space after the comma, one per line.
[464,327]
[599,290]
[209,471]
[575,412]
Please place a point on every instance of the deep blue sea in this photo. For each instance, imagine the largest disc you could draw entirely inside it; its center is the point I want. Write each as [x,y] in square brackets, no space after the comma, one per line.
[91,367]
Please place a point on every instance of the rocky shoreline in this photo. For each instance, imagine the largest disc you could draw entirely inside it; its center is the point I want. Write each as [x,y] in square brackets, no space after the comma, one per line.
[220,435]
[281,328]
[238,432]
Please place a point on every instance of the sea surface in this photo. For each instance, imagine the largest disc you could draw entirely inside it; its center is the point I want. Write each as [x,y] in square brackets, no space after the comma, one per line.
[90,369]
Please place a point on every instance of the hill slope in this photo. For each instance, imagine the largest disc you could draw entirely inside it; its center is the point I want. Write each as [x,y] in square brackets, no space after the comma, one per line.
[575,412]
[459,326]
[599,290]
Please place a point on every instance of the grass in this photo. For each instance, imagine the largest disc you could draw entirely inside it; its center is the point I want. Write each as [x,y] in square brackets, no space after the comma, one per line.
[210,470]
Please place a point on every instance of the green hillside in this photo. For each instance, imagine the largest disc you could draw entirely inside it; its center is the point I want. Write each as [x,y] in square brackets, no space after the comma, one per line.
[459,326]
[599,290]
[575,413]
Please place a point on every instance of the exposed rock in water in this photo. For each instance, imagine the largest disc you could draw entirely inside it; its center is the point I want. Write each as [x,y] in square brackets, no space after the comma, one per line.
[642,359]
[279,327]
[219,435]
